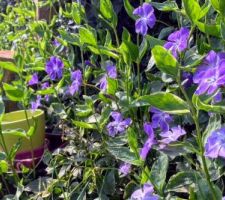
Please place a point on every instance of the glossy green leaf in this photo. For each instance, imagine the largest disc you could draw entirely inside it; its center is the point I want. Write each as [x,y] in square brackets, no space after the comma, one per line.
[182,179]
[165,60]
[143,49]
[106,9]
[124,154]
[132,138]
[129,9]
[192,9]
[129,51]
[3,167]
[112,85]
[164,101]
[14,93]
[159,171]
[213,30]
[9,66]
[165,6]
[15,132]
[84,125]
[87,36]
[2,109]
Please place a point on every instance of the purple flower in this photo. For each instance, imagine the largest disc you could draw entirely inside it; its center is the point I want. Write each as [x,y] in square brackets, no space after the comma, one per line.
[144,193]
[210,75]
[160,119]
[34,79]
[149,142]
[54,68]
[36,104]
[125,169]
[217,98]
[177,41]
[43,87]
[187,79]
[56,43]
[171,136]
[111,73]
[215,145]
[76,78]
[119,125]
[147,18]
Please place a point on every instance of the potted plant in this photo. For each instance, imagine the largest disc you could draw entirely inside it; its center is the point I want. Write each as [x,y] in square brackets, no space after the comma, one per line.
[27,128]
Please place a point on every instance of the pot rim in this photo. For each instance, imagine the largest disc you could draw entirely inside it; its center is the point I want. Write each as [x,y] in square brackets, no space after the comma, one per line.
[37,113]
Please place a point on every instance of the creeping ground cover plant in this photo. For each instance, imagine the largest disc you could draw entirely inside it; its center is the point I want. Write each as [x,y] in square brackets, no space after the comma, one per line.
[133,95]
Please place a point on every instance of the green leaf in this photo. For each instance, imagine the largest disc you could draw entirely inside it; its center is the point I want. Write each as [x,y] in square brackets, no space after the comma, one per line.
[87,36]
[112,85]
[2,109]
[71,38]
[9,66]
[129,9]
[165,6]
[78,12]
[159,171]
[84,125]
[192,9]
[142,49]
[82,194]
[124,154]
[15,132]
[222,29]
[206,107]
[106,9]
[3,166]
[164,101]
[46,91]
[165,60]
[182,179]
[14,93]
[213,30]
[129,51]
[109,183]
[215,4]
[154,41]
[132,139]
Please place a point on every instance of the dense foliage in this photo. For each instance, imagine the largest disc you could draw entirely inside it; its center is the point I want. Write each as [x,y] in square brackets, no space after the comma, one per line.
[135,87]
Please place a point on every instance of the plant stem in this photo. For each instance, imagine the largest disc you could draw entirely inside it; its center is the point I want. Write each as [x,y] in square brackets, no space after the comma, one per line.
[194,114]
[116,36]
[83,67]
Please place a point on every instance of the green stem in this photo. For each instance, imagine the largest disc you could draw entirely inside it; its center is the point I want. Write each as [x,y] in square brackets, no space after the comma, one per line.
[194,114]
[83,67]
[116,36]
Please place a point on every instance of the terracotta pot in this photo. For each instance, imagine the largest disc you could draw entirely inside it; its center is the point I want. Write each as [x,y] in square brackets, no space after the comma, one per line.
[17,120]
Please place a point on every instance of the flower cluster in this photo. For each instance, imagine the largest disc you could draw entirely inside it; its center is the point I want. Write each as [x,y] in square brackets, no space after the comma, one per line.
[160,120]
[210,75]
[118,125]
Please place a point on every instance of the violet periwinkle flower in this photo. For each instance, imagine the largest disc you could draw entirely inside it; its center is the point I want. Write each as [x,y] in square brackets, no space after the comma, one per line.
[45,86]
[187,79]
[118,125]
[34,80]
[171,136]
[76,78]
[149,142]
[160,119]
[36,104]
[177,41]
[125,169]
[210,75]
[147,18]
[111,73]
[215,145]
[54,68]
[144,193]
[217,98]
[56,43]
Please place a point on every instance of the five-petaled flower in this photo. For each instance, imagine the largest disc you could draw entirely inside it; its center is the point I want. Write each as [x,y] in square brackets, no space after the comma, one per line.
[149,142]
[171,136]
[118,125]
[177,41]
[125,169]
[215,145]
[76,78]
[36,104]
[54,68]
[34,79]
[147,18]
[110,73]
[144,193]
[160,119]
[210,75]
